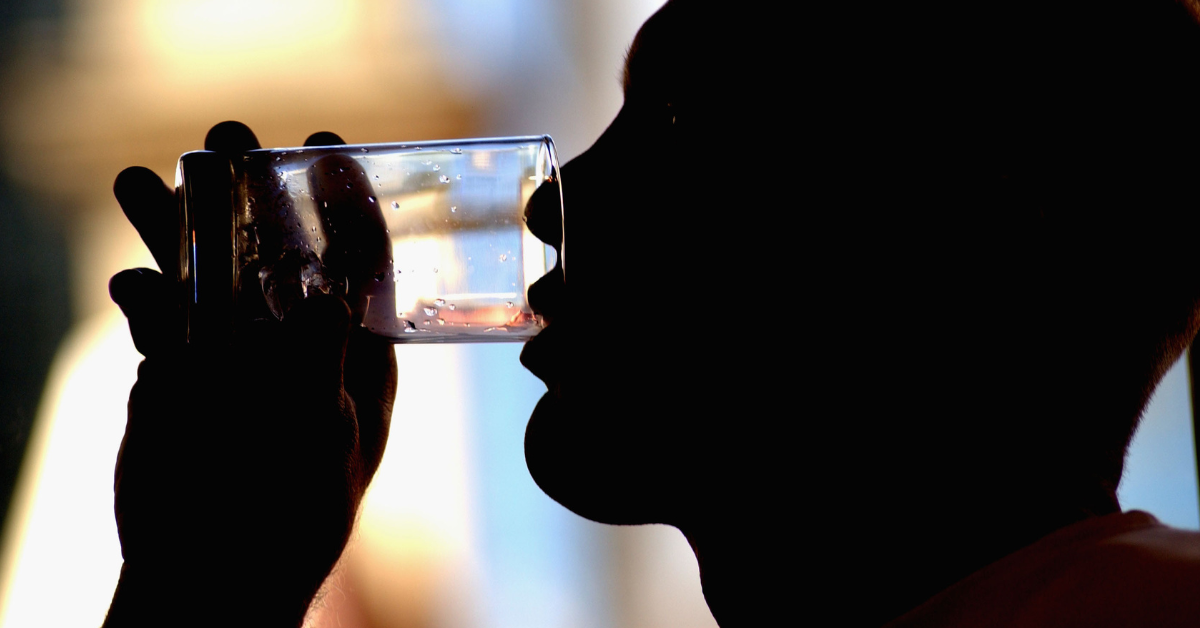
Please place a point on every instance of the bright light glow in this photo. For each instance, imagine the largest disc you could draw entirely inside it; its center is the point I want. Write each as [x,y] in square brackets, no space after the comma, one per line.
[416,531]
[479,296]
[417,279]
[61,554]
[245,32]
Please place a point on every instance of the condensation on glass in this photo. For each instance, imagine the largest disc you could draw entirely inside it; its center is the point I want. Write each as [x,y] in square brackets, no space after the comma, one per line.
[426,241]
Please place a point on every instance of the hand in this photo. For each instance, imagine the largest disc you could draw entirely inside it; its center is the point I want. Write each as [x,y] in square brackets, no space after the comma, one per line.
[243,464]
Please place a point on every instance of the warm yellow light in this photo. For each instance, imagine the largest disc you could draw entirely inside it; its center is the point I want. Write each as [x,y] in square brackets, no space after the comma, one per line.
[418,504]
[415,260]
[235,33]
[61,540]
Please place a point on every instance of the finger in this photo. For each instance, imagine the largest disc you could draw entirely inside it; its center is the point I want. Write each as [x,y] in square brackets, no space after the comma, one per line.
[324,138]
[230,137]
[370,380]
[359,248]
[316,331]
[333,357]
[145,297]
[369,370]
[151,207]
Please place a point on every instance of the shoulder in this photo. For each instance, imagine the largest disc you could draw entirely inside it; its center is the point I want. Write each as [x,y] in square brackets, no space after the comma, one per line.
[1125,569]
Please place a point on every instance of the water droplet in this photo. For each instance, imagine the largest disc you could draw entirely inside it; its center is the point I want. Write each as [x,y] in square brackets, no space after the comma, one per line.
[425,322]
[456,151]
[277,158]
[490,329]
[437,166]
[370,199]
[453,307]
[429,311]
[466,324]
[458,176]
[409,328]
[444,179]
[427,162]
[314,229]
[347,186]
[453,208]
[376,176]
[509,304]
[417,148]
[365,150]
[439,302]
[441,321]
[395,204]
[435,270]
[504,258]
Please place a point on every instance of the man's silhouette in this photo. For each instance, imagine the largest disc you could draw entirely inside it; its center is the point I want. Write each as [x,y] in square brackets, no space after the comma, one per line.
[868,309]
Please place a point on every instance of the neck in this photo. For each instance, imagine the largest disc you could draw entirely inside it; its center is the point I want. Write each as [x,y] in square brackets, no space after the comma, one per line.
[900,559]
[870,560]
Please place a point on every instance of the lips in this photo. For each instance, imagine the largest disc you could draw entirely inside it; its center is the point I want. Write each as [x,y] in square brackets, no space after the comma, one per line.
[542,356]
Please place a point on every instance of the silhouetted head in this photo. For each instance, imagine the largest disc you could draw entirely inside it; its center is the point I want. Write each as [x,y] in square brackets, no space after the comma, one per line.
[881,306]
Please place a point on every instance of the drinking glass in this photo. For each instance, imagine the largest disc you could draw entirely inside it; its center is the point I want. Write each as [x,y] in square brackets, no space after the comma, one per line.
[426,241]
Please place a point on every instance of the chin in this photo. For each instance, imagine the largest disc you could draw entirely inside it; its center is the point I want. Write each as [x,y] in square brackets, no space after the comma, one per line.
[591,468]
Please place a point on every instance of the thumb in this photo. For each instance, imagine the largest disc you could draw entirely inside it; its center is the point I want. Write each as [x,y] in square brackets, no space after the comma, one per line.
[315,332]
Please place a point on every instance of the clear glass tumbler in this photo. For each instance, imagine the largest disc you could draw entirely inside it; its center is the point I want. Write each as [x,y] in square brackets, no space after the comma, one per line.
[426,241]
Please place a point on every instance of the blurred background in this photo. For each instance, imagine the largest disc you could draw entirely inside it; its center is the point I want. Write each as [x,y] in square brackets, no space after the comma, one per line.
[453,533]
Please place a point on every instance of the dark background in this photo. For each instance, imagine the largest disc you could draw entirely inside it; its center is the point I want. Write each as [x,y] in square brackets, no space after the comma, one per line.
[36,308]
